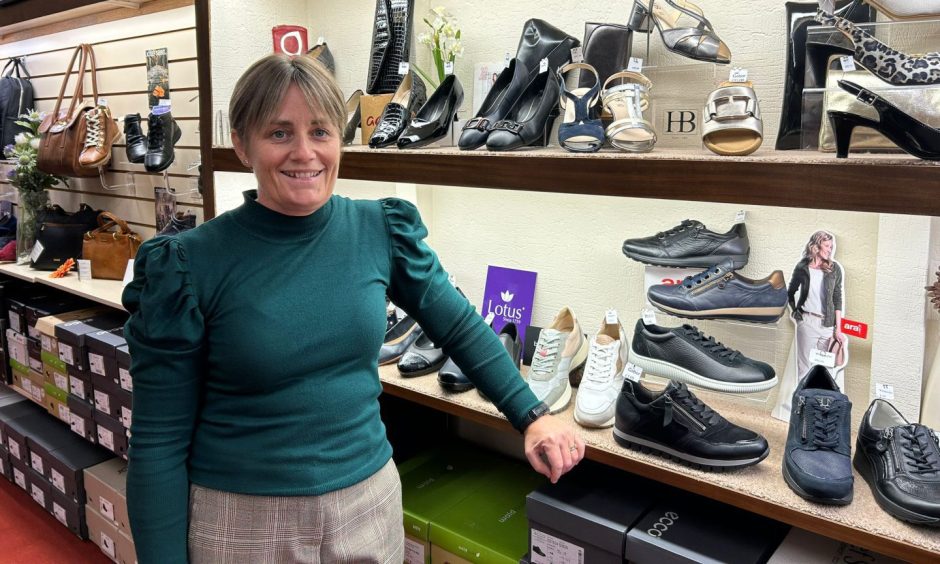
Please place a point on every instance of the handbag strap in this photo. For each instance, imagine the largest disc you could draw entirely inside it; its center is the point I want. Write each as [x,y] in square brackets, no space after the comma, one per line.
[107,220]
[90,56]
[19,68]
[80,50]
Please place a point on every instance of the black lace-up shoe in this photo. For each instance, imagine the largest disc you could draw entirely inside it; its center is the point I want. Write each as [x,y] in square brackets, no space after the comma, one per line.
[680,426]
[162,135]
[686,354]
[901,463]
[691,245]
[135,143]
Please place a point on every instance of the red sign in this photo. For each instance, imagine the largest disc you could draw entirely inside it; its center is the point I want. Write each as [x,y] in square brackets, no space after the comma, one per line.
[855,328]
[290,39]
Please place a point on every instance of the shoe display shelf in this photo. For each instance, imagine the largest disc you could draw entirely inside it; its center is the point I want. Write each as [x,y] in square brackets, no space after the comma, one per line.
[759,489]
[107,292]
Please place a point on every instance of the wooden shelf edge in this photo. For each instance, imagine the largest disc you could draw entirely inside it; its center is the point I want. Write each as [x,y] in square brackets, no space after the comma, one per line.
[838,531]
[105,292]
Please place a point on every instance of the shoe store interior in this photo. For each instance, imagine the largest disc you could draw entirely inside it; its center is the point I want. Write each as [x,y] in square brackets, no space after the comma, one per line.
[702,239]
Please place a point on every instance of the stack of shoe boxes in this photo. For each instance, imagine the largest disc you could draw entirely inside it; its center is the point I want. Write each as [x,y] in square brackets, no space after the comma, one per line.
[112,401]
[13,419]
[8,287]
[106,510]
[7,398]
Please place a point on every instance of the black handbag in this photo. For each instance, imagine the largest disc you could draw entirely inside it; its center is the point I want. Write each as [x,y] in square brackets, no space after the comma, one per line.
[541,40]
[59,235]
[606,47]
[16,97]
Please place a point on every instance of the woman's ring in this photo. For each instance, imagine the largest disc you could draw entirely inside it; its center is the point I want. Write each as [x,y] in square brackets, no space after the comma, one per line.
[573,448]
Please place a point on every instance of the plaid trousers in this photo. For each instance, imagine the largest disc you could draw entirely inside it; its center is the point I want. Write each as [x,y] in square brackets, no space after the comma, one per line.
[361,524]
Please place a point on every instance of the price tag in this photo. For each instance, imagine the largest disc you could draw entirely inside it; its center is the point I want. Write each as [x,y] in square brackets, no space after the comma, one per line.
[38,496]
[649,317]
[847,63]
[884,391]
[740,216]
[58,480]
[102,102]
[106,507]
[105,438]
[65,414]
[633,372]
[126,417]
[128,273]
[102,402]
[14,449]
[126,381]
[77,424]
[20,478]
[84,270]
[61,382]
[46,343]
[507,60]
[449,67]
[738,75]
[635,64]
[66,355]
[35,364]
[825,358]
[36,462]
[577,55]
[543,65]
[320,41]
[611,317]
[96,363]
[59,512]
[164,103]
[404,67]
[107,545]
[15,321]
[489,318]
[77,387]
[37,251]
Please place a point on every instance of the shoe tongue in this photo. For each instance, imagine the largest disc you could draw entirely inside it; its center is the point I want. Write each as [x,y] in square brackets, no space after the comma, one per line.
[673,386]
[823,398]
[604,340]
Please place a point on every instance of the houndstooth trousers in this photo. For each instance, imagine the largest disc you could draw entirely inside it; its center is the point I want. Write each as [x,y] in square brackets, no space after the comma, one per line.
[361,523]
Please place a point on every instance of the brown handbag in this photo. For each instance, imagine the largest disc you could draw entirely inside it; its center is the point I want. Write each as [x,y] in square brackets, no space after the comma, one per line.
[63,131]
[109,250]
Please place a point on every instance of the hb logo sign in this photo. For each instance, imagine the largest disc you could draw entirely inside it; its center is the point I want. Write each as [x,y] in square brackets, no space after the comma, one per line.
[681,122]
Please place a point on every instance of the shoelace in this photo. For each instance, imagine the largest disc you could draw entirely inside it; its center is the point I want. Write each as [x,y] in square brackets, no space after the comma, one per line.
[544,358]
[600,364]
[686,398]
[709,343]
[915,443]
[686,224]
[690,281]
[94,135]
[155,134]
[825,426]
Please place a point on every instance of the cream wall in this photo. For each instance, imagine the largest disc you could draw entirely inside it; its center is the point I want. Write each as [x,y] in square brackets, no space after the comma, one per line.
[572,241]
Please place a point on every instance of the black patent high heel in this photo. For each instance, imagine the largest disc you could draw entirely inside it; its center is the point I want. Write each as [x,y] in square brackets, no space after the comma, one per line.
[435,117]
[818,58]
[914,137]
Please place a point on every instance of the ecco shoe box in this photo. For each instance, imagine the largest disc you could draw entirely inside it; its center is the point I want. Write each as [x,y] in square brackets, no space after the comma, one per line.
[38,488]
[102,533]
[68,512]
[10,410]
[586,516]
[805,547]
[111,434]
[81,418]
[60,303]
[66,467]
[124,368]
[80,383]
[102,353]
[106,492]
[18,473]
[56,403]
[42,437]
[689,529]
[16,431]
[71,336]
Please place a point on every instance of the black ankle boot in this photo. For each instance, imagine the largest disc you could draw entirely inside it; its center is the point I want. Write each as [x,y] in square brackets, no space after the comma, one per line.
[135,142]
[162,134]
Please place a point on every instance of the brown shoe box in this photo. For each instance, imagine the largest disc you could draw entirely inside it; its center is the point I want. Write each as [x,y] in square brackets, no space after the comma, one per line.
[106,492]
[102,533]
[68,512]
[72,336]
[18,471]
[46,325]
[80,383]
[67,466]
[39,489]
[111,434]
[81,418]
[371,106]
[102,353]
[124,368]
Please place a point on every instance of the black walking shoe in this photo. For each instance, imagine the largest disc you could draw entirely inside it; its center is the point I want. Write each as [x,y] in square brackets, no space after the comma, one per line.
[678,425]
[901,463]
[691,245]
[162,135]
[135,144]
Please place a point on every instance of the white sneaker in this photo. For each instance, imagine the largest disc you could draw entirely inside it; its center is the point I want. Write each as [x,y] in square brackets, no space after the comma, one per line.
[560,351]
[596,403]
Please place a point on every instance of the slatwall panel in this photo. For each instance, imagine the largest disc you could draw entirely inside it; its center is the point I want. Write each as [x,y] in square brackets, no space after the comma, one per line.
[122,81]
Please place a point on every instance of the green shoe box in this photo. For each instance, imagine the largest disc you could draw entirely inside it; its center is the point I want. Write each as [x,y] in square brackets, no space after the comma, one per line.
[489,526]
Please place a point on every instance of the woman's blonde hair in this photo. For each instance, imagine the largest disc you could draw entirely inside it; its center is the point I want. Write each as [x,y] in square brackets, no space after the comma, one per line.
[813,246]
[259,91]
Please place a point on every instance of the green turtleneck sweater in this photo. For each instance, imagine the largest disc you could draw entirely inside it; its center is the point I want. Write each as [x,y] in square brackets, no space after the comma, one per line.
[254,341]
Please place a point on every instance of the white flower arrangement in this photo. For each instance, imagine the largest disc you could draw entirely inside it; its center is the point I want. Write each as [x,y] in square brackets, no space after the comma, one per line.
[443,40]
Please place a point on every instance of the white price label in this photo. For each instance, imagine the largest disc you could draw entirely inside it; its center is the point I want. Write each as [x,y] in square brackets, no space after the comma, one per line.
[547,549]
[320,41]
[65,414]
[449,67]
[649,317]
[37,251]
[128,273]
[61,381]
[126,416]
[77,424]
[15,321]
[106,507]
[36,462]
[84,270]
[611,317]
[738,75]
[507,60]
[58,480]
[96,363]
[577,55]
[14,449]
[35,364]
[489,318]
[404,67]
[884,391]
[105,438]
[635,64]
[633,372]
[126,381]
[107,545]
[38,495]
[414,552]
[46,343]
[77,387]
[66,354]
[847,63]
[543,65]
[102,402]
[824,358]
[20,478]
[740,216]
[59,513]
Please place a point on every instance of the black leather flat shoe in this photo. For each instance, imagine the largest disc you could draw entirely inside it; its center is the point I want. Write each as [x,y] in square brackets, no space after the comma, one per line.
[422,357]
[452,378]
[505,91]
[434,118]
[353,117]
[410,96]
[398,339]
[136,141]
[530,120]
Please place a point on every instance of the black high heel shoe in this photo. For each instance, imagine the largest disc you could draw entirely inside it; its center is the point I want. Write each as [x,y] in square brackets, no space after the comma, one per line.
[411,95]
[435,116]
[911,135]
[353,116]
[504,93]
[819,56]
[530,120]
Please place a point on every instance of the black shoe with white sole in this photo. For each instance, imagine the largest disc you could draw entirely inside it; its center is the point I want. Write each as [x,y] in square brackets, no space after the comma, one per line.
[678,425]
[687,355]
[691,245]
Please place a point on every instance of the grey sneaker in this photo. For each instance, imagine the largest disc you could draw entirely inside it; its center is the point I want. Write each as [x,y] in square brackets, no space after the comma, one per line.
[561,351]
[596,402]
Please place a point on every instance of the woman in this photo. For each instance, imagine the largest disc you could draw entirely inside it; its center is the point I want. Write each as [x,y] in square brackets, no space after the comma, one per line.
[818,313]
[256,434]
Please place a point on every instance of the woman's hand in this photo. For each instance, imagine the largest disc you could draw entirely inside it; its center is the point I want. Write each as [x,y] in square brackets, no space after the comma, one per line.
[840,336]
[552,447]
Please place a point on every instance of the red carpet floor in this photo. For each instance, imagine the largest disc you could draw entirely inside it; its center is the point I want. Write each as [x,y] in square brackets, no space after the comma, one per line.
[29,535]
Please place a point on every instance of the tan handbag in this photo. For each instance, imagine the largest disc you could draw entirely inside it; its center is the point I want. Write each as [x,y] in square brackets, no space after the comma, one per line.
[109,250]
[63,131]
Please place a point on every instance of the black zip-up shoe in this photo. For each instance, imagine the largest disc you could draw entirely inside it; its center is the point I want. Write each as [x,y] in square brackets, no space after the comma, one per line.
[678,425]
[901,463]
[135,144]
[691,245]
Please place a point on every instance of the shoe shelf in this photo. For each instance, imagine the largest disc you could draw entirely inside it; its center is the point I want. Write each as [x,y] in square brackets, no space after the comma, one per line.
[759,489]
[107,292]
[802,179]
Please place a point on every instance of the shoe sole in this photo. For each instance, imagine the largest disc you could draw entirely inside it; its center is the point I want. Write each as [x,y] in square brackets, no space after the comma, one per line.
[583,423]
[424,371]
[562,402]
[627,440]
[740,261]
[673,372]
[452,387]
[809,497]
[751,314]
[864,466]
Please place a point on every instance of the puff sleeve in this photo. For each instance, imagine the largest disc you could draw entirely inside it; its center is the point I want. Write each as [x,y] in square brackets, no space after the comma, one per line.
[419,285]
[165,338]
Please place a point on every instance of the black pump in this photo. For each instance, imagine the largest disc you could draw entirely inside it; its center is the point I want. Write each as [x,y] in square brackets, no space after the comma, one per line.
[434,119]
[530,120]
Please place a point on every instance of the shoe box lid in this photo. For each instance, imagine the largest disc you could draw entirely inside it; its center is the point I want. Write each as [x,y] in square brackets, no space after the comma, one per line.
[66,465]
[16,430]
[434,481]
[690,529]
[490,525]
[71,336]
[68,512]
[46,324]
[809,548]
[593,508]
[44,436]
[106,491]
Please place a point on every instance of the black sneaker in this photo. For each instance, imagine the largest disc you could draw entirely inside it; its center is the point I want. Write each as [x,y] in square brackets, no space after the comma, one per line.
[901,463]
[680,426]
[686,354]
[691,245]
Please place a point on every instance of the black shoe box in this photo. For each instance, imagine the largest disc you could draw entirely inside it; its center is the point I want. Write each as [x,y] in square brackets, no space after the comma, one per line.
[14,408]
[16,306]
[586,516]
[80,383]
[109,396]
[16,431]
[687,529]
[18,471]
[81,418]
[38,488]
[34,351]
[124,368]
[5,464]
[69,512]
[5,373]
[102,353]
[124,401]
[55,305]
[44,436]
[111,434]
[72,336]
[67,465]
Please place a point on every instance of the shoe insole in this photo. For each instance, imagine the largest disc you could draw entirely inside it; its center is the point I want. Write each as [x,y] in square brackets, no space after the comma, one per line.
[570,112]
[528,107]
[403,94]
[733,142]
[620,109]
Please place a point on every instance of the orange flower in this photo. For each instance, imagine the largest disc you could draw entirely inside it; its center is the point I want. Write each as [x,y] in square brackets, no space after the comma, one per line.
[63,270]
